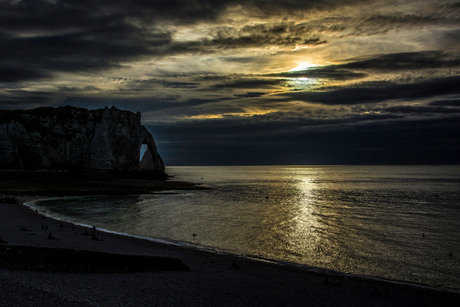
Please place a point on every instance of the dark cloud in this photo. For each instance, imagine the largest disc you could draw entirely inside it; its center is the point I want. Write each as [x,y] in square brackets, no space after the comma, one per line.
[11,72]
[387,141]
[251,41]
[18,99]
[79,89]
[418,110]
[407,61]
[396,62]
[380,24]
[250,83]
[284,34]
[327,72]
[360,95]
[410,19]
[235,128]
[358,68]
[143,105]
[160,82]
[44,14]
[39,38]
[250,95]
[263,8]
[454,102]
[212,77]
[244,60]
[449,39]
[260,36]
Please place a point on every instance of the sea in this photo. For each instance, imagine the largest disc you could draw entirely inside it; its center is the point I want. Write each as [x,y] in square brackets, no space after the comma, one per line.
[397,223]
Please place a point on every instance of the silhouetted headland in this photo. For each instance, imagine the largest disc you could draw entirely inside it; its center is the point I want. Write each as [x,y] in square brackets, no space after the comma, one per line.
[75,151]
[77,140]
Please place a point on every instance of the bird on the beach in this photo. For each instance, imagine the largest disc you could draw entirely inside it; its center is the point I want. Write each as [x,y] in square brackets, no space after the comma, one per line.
[235,266]
[375,292]
[332,283]
[50,236]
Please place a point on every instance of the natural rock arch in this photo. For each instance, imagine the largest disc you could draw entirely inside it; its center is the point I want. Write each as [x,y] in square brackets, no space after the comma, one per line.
[67,138]
[149,161]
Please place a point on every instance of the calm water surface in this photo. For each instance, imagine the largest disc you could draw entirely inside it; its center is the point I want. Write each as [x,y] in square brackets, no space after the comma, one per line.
[392,222]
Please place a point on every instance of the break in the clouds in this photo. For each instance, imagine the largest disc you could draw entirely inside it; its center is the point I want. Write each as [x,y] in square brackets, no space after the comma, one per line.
[283,80]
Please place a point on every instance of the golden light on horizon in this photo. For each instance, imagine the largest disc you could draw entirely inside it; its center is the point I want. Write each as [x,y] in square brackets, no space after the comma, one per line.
[303,66]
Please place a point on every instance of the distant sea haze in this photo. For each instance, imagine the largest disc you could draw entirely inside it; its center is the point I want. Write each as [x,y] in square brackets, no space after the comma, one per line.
[399,223]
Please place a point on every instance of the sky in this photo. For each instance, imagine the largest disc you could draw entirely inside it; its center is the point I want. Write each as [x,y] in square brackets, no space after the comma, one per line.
[231,82]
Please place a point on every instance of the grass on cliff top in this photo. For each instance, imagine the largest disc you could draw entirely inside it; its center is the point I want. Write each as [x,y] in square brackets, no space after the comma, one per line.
[65,184]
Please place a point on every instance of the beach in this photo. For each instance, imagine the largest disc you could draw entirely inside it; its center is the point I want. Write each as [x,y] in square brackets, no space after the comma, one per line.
[209,279]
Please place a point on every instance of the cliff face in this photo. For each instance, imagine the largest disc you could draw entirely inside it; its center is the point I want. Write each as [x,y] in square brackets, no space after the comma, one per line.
[69,138]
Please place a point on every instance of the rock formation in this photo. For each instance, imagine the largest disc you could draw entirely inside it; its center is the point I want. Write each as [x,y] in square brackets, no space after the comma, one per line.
[76,139]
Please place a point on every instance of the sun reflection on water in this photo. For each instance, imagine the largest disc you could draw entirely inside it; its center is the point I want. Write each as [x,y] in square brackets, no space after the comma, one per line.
[364,220]
[300,234]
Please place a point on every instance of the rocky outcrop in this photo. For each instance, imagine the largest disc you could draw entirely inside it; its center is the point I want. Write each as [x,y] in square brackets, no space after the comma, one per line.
[76,139]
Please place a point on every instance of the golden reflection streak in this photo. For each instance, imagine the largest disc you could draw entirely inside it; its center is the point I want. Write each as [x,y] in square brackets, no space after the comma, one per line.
[302,236]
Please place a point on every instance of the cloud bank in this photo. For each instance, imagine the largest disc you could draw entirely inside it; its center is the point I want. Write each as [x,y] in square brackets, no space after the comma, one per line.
[309,82]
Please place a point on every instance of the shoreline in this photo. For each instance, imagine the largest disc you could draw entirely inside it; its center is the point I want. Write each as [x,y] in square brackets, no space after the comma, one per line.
[296,266]
[209,270]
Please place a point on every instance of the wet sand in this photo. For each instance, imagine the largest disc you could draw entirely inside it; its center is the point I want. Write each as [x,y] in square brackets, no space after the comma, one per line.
[212,279]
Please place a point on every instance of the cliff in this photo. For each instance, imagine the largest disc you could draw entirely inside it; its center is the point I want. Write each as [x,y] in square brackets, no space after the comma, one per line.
[76,139]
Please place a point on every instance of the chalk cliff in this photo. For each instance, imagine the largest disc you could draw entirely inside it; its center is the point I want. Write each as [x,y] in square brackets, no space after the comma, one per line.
[76,139]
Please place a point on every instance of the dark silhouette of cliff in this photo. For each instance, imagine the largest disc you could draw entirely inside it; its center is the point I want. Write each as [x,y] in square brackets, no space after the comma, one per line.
[77,140]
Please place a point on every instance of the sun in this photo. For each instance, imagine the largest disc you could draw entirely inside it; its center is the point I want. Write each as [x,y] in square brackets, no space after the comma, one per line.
[303,66]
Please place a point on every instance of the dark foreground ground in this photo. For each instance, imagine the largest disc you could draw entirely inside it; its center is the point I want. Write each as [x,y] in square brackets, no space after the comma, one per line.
[75,270]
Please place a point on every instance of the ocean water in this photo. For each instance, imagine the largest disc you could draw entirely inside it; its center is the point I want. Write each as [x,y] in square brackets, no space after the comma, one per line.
[400,223]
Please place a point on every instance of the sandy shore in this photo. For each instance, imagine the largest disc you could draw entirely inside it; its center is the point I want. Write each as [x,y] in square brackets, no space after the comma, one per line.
[211,281]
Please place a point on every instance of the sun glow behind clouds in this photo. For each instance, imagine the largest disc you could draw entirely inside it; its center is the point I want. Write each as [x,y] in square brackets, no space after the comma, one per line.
[303,66]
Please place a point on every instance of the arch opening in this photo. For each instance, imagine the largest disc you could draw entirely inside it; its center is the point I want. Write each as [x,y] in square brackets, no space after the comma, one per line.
[142,151]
